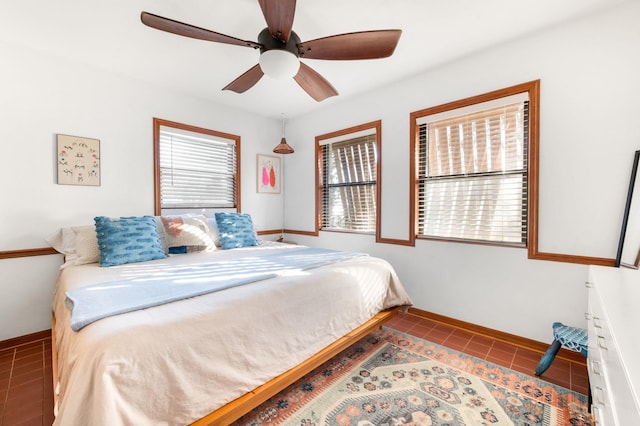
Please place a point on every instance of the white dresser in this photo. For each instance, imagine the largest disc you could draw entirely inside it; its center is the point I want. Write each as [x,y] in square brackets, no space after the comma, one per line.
[614,345]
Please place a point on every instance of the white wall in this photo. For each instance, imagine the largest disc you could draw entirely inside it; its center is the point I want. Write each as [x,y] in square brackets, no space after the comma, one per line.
[43,96]
[589,84]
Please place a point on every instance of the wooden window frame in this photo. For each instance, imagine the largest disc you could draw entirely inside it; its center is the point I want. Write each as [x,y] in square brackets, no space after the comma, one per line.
[319,159]
[157,124]
[533,90]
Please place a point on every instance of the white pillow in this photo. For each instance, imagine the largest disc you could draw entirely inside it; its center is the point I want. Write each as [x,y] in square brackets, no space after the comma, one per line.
[86,243]
[62,241]
[189,231]
[79,244]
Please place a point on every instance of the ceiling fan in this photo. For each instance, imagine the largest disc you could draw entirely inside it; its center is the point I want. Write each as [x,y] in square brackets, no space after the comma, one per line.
[281,48]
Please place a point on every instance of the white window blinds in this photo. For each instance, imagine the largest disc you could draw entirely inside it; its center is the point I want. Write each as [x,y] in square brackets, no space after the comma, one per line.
[196,170]
[349,184]
[472,175]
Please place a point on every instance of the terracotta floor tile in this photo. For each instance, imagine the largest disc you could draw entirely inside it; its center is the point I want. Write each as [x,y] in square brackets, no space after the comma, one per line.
[456,342]
[29,349]
[24,393]
[36,421]
[24,374]
[6,357]
[579,389]
[559,376]
[577,381]
[22,414]
[400,321]
[525,365]
[579,371]
[437,336]
[444,328]
[19,388]
[522,369]
[23,417]
[504,347]
[48,416]
[461,334]
[27,358]
[481,340]
[527,354]
[500,350]
[420,333]
[498,360]
[419,329]
[480,353]
[404,328]
[5,368]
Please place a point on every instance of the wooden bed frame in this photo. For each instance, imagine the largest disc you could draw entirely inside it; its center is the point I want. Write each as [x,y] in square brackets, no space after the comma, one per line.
[242,405]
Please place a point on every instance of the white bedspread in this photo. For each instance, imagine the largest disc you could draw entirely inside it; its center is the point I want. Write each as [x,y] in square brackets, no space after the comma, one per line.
[173,364]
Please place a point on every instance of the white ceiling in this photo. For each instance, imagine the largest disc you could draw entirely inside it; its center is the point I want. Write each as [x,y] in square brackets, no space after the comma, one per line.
[109,35]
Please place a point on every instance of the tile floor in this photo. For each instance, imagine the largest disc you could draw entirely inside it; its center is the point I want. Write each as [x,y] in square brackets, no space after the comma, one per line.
[26,390]
[563,373]
[26,384]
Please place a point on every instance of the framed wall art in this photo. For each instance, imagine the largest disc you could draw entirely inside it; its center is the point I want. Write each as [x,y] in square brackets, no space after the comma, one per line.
[78,160]
[268,173]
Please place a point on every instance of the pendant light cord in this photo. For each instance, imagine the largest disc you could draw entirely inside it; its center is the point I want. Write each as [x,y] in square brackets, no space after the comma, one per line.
[283,135]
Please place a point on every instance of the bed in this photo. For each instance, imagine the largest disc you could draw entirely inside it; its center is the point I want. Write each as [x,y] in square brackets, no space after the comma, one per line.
[207,358]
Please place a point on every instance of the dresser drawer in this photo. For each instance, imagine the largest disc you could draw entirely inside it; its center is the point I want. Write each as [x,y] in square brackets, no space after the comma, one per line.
[601,406]
[611,351]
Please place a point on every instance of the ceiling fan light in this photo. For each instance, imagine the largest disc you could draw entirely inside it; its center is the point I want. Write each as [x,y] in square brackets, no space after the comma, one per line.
[279,64]
[283,147]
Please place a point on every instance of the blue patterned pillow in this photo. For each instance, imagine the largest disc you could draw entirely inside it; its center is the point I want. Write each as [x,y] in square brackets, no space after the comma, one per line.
[236,230]
[128,240]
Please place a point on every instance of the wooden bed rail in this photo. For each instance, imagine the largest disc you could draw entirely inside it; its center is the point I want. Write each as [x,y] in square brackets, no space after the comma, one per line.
[54,362]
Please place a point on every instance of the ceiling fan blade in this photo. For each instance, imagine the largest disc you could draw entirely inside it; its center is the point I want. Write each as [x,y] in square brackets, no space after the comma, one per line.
[359,45]
[314,84]
[279,16]
[246,81]
[187,30]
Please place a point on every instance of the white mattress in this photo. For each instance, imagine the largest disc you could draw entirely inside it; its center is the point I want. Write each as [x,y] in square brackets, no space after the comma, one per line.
[175,363]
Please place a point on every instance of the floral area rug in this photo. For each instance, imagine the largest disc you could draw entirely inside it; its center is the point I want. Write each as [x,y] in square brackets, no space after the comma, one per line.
[391,379]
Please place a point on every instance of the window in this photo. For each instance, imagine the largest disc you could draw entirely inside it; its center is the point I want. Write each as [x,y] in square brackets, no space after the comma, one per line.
[348,174]
[472,169]
[195,168]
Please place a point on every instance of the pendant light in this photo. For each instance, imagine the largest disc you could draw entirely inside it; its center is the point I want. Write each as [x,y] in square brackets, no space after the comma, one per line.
[283,147]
